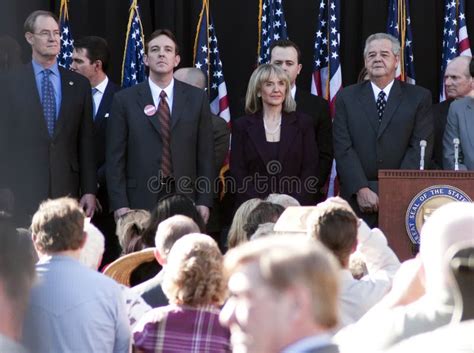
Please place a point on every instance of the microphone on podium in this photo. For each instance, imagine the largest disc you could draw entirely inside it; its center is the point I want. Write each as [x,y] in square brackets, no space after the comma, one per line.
[422,154]
[456,153]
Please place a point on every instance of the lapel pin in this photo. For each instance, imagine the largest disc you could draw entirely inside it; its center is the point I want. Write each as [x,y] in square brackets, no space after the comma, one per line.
[71,83]
[149,110]
[106,115]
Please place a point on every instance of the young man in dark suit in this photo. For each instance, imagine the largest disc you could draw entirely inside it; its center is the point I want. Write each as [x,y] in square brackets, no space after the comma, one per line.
[287,55]
[90,58]
[159,136]
[46,126]
[379,125]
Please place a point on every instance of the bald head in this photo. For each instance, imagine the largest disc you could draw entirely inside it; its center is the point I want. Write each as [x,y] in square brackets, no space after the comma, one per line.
[192,76]
[457,78]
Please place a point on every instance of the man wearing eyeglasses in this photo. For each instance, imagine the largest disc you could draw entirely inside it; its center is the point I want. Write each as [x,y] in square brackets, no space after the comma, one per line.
[46,127]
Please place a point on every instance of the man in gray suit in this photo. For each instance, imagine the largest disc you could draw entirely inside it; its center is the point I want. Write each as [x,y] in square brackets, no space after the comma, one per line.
[46,128]
[460,125]
[159,136]
[379,125]
[283,296]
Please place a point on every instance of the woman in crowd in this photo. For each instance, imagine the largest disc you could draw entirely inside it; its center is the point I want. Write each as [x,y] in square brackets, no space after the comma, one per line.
[195,287]
[273,147]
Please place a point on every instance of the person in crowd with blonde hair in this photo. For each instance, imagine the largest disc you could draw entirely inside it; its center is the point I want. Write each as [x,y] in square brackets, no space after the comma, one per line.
[195,286]
[283,200]
[273,147]
[237,234]
[283,296]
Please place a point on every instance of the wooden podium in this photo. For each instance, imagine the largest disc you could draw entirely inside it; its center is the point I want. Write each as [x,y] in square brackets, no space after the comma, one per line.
[401,191]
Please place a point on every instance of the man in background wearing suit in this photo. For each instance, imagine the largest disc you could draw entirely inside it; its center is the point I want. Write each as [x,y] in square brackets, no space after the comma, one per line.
[457,82]
[46,126]
[91,59]
[159,136]
[460,125]
[287,55]
[379,125]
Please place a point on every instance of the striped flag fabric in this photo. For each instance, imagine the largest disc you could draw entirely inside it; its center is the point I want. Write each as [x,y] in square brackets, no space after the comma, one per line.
[271,26]
[67,43]
[455,37]
[133,67]
[399,26]
[327,74]
[206,58]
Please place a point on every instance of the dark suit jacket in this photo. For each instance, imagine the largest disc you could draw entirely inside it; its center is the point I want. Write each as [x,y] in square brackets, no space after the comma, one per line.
[37,166]
[221,140]
[318,109]
[440,116]
[362,146]
[152,292]
[134,145]
[251,158]
[100,125]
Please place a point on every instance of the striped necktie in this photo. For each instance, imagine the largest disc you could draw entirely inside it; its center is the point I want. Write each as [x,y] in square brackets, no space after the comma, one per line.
[164,116]
[48,100]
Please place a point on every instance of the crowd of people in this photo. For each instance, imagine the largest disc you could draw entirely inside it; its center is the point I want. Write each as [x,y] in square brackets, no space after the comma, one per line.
[98,180]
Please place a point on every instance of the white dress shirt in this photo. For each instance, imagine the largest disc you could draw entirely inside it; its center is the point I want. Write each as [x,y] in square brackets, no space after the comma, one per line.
[156,90]
[97,97]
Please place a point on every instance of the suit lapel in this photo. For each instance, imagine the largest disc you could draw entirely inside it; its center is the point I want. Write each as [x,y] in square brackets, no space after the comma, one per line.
[287,134]
[393,102]
[367,101]
[31,90]
[67,96]
[179,102]
[145,98]
[468,118]
[104,103]
[256,133]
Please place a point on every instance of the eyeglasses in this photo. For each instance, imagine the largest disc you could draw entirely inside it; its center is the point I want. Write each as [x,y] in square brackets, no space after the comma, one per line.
[48,34]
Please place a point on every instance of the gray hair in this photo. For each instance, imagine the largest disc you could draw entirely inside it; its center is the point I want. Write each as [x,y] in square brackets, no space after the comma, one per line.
[29,25]
[379,36]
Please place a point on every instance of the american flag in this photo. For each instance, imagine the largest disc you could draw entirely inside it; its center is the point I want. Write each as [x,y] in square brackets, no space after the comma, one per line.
[133,67]
[65,53]
[399,26]
[271,26]
[455,38]
[206,58]
[327,75]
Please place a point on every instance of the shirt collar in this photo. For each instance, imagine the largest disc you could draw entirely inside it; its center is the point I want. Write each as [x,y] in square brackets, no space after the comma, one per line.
[386,90]
[102,86]
[156,90]
[38,68]
[293,91]
[308,343]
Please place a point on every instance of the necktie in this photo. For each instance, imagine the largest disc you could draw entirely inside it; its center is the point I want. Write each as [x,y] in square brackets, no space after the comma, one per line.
[94,107]
[381,103]
[48,100]
[164,116]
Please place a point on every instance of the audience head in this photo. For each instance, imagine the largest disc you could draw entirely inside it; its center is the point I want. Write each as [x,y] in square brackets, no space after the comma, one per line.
[282,289]
[287,55]
[264,212]
[169,206]
[449,225]
[237,234]
[169,231]
[130,228]
[458,78]
[264,230]
[381,55]
[335,225]
[58,226]
[283,200]
[194,274]
[17,273]
[257,83]
[93,250]
[192,76]
[90,58]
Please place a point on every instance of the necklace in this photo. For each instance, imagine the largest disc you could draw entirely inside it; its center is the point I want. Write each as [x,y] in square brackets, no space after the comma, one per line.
[274,131]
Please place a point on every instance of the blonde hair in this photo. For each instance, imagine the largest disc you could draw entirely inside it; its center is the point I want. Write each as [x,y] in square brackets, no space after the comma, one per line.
[253,103]
[194,273]
[288,260]
[236,234]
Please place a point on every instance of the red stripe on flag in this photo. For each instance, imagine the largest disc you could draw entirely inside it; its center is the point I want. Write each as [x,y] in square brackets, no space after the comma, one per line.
[223,103]
[464,45]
